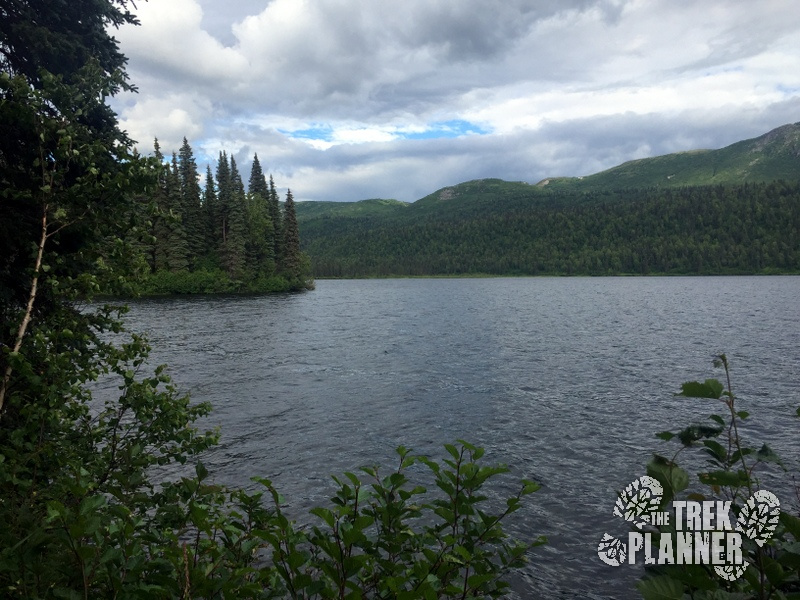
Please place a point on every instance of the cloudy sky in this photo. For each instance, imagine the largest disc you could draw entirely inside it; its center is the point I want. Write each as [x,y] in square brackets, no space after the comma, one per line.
[351,99]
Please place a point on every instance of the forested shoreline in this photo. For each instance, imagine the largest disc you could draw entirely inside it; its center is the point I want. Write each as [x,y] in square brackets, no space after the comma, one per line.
[218,237]
[751,228]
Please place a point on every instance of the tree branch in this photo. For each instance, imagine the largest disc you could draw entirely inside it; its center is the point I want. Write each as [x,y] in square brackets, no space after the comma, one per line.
[26,318]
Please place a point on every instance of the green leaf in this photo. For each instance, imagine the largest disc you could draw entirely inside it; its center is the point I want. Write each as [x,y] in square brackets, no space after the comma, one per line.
[452,450]
[91,504]
[715,449]
[766,454]
[724,478]
[711,388]
[774,571]
[671,476]
[792,524]
[353,479]
[530,486]
[660,588]
[324,514]
[475,581]
[694,433]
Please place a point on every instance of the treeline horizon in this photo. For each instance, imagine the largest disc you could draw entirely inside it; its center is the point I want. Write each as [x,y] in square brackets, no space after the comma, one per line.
[220,236]
[706,230]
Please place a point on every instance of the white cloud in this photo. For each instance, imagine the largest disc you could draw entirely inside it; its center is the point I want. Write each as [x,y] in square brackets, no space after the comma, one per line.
[171,42]
[170,118]
[538,78]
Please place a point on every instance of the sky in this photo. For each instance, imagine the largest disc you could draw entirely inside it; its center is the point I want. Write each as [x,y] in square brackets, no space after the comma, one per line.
[345,100]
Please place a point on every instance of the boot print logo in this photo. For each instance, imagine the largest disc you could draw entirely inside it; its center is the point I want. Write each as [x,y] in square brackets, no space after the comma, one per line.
[702,532]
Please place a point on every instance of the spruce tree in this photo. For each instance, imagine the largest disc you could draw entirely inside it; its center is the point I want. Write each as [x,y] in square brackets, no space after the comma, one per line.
[237,185]
[159,259]
[193,214]
[257,183]
[275,214]
[211,212]
[291,263]
[177,245]
[260,243]
[220,225]
[232,203]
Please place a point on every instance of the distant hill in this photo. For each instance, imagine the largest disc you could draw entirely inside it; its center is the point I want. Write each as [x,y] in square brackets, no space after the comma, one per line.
[705,211]
[772,156]
[362,208]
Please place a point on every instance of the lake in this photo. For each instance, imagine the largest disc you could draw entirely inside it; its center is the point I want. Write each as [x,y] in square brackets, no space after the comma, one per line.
[564,379]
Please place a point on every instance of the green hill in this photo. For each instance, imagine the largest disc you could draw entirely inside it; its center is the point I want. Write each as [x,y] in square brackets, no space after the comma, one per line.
[362,208]
[772,156]
[707,211]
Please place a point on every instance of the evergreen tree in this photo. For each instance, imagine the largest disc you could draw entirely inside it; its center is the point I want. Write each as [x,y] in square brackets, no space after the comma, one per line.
[291,261]
[237,185]
[275,214]
[211,212]
[193,214]
[257,183]
[260,243]
[159,259]
[177,245]
[232,204]
[220,224]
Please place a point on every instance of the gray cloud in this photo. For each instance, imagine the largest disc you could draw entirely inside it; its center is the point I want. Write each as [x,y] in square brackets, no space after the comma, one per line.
[558,87]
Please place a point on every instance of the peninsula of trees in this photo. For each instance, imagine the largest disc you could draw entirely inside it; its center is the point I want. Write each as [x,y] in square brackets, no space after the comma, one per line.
[218,237]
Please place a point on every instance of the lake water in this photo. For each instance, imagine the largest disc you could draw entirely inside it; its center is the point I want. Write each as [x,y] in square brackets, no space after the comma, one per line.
[564,379]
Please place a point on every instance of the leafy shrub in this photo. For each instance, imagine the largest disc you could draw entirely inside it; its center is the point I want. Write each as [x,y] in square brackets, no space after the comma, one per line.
[773,565]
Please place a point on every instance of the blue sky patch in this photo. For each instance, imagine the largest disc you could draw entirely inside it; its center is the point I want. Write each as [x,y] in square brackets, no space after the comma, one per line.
[447,129]
[321,132]
[437,130]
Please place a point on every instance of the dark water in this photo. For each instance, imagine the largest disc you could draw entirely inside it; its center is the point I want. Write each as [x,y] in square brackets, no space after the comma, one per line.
[566,380]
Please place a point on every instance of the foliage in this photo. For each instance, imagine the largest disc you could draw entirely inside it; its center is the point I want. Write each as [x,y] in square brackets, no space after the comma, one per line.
[501,228]
[291,260]
[221,240]
[214,281]
[39,43]
[64,202]
[96,526]
[773,569]
[381,536]
[78,502]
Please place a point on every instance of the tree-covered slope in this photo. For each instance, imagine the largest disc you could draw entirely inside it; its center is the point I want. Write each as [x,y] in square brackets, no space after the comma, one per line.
[658,215]
[753,228]
[363,208]
[772,156]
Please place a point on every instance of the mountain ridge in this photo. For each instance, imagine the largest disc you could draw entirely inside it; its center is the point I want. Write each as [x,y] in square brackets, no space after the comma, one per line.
[730,211]
[768,157]
[771,156]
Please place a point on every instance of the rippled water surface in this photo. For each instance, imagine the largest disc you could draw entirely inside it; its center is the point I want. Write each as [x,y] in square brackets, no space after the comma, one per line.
[566,380]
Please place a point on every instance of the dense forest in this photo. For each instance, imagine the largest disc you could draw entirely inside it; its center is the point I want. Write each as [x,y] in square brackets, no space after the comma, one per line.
[218,237]
[499,228]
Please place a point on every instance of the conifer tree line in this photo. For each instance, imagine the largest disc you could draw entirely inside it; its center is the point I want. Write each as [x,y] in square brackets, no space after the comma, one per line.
[220,228]
[751,228]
